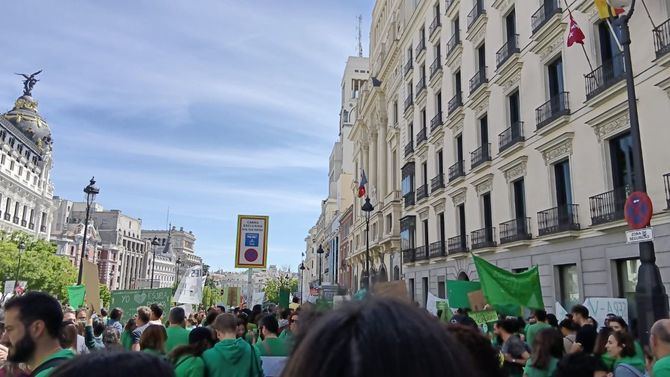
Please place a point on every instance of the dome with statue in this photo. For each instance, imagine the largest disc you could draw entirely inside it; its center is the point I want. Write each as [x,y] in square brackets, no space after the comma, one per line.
[25,117]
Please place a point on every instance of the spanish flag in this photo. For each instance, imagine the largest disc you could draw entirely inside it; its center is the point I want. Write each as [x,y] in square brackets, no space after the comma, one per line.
[605,11]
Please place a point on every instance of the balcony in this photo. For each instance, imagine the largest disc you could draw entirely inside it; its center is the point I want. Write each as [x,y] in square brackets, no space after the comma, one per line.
[420,253]
[409,102]
[435,67]
[544,14]
[43,229]
[420,86]
[475,13]
[454,103]
[409,148]
[603,77]
[15,220]
[421,137]
[662,39]
[480,156]
[437,250]
[608,206]
[436,122]
[408,255]
[666,179]
[408,66]
[434,25]
[510,48]
[458,244]
[453,43]
[31,226]
[437,183]
[558,219]
[483,238]
[511,136]
[409,199]
[456,171]
[422,192]
[553,109]
[421,47]
[478,80]
[515,230]
[24,223]
[8,217]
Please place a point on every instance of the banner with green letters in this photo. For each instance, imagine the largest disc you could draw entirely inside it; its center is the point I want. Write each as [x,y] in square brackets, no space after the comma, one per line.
[130,300]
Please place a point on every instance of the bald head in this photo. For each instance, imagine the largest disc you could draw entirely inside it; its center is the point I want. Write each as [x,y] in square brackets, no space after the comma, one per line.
[660,338]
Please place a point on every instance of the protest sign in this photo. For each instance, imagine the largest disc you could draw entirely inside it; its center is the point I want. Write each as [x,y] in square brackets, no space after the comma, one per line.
[395,289]
[130,300]
[432,303]
[484,317]
[92,283]
[189,290]
[599,307]
[75,296]
[457,291]
[560,311]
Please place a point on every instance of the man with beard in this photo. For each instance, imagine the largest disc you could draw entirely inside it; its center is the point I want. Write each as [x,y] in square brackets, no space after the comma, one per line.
[32,323]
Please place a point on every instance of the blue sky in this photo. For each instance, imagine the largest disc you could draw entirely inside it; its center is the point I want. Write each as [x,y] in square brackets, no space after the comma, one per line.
[211,108]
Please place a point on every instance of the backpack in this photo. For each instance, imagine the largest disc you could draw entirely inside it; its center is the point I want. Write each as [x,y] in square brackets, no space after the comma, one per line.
[627,371]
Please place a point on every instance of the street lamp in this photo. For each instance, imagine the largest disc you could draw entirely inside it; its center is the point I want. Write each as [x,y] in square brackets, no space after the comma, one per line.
[91,191]
[650,296]
[154,243]
[176,272]
[22,248]
[302,276]
[367,208]
[320,252]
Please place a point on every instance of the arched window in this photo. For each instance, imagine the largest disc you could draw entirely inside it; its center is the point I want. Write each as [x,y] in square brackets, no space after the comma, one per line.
[463,276]
[396,273]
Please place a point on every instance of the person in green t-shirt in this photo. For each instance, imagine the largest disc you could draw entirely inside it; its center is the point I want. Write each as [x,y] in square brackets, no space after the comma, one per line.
[621,347]
[127,334]
[187,359]
[271,345]
[539,325]
[618,324]
[547,351]
[659,341]
[32,325]
[152,340]
[231,356]
[177,335]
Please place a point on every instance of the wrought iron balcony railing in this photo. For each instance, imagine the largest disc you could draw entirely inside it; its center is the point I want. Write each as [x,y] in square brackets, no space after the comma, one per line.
[510,48]
[455,102]
[43,229]
[409,148]
[31,226]
[420,253]
[408,66]
[436,122]
[662,39]
[420,86]
[8,217]
[421,192]
[409,199]
[422,136]
[409,102]
[608,206]
[476,12]
[408,255]
[456,170]
[434,25]
[510,136]
[453,42]
[515,230]
[435,67]
[437,183]
[480,156]
[458,244]
[483,238]
[603,77]
[437,249]
[478,79]
[556,107]
[544,14]
[558,219]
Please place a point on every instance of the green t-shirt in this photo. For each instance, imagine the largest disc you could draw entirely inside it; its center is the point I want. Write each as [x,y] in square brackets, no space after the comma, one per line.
[662,367]
[62,354]
[127,340]
[532,330]
[176,336]
[189,366]
[232,358]
[531,371]
[634,361]
[272,347]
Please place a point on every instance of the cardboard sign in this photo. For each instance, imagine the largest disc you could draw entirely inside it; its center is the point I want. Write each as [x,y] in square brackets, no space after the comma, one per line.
[477,300]
[92,283]
[394,289]
[130,300]
[484,317]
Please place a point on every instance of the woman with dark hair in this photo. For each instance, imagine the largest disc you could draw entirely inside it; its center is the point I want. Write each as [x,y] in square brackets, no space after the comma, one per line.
[568,329]
[127,334]
[114,364]
[153,340]
[377,337]
[482,354]
[67,336]
[600,349]
[621,347]
[187,359]
[552,320]
[547,351]
[514,350]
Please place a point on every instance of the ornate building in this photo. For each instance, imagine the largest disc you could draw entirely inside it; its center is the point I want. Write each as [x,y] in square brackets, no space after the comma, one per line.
[25,167]
[175,253]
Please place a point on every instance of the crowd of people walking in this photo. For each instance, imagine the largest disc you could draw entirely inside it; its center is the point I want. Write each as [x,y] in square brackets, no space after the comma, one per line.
[376,336]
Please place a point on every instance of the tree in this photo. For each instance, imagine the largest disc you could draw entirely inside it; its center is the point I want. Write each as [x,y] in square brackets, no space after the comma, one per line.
[273,286]
[105,295]
[211,296]
[40,266]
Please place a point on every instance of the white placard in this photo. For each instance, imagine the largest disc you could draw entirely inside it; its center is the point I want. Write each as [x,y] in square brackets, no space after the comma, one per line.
[431,303]
[639,235]
[252,242]
[560,311]
[190,287]
[599,307]
[257,298]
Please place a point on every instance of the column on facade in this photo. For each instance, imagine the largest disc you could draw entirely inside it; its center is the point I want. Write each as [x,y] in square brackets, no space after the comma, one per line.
[372,162]
[382,188]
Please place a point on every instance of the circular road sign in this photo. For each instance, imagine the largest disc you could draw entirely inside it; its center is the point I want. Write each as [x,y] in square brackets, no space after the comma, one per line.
[638,210]
[251,255]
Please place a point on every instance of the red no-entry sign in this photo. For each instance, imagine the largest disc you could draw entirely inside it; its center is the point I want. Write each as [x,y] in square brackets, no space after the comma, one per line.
[638,210]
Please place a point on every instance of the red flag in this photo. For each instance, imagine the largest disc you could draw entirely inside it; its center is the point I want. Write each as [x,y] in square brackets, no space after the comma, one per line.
[361,185]
[576,34]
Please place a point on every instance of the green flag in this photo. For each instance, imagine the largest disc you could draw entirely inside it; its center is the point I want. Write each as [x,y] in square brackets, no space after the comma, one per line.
[457,291]
[504,289]
[75,294]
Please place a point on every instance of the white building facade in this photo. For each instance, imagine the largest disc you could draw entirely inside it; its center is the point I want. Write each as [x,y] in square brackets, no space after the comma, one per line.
[175,254]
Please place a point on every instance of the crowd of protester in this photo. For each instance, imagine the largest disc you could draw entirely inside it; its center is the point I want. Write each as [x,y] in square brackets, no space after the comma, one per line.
[376,336]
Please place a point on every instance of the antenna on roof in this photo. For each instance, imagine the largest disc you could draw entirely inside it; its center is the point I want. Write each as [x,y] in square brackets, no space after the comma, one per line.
[360,38]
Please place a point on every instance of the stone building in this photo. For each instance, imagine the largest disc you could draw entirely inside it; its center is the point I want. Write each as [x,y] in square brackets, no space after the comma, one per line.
[175,253]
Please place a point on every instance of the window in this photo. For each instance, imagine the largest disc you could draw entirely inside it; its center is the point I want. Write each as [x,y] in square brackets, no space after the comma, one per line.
[460,220]
[481,57]
[438,104]
[2,160]
[411,290]
[345,116]
[439,163]
[484,130]
[562,183]
[459,148]
[510,25]
[457,83]
[407,232]
[395,112]
[423,118]
[437,51]
[408,179]
[514,107]
[394,167]
[627,278]
[518,190]
[424,283]
[555,73]
[424,170]
[441,287]
[425,233]
[455,28]
[20,170]
[11,166]
[440,226]
[389,223]
[568,285]
[621,159]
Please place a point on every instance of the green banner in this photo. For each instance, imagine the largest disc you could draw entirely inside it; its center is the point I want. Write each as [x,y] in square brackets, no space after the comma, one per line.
[284,297]
[130,300]
[457,291]
[484,317]
[505,290]
[75,295]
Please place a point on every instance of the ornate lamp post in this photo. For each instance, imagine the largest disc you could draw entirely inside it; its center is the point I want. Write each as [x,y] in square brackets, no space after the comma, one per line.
[176,272]
[22,248]
[320,252]
[91,191]
[367,208]
[154,244]
[302,276]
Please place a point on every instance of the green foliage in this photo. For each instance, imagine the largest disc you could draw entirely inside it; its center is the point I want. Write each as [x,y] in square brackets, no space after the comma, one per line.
[40,266]
[273,286]
[211,296]
[105,296]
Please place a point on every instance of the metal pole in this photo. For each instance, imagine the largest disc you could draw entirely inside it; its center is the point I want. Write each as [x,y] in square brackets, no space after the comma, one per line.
[367,249]
[153,267]
[83,243]
[18,271]
[650,295]
[319,270]
[302,275]
[250,285]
